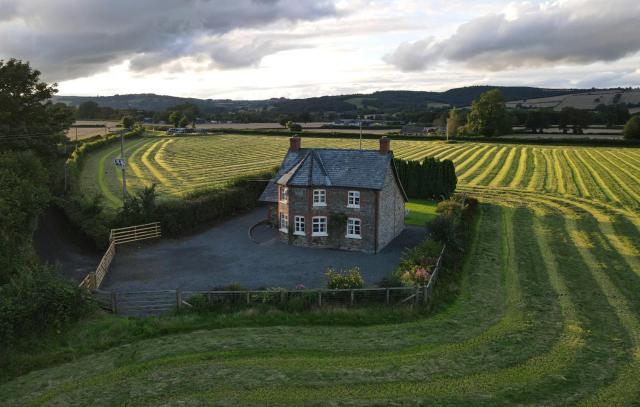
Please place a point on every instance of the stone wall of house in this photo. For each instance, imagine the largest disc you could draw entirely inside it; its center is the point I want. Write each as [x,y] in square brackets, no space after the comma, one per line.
[391,211]
[301,204]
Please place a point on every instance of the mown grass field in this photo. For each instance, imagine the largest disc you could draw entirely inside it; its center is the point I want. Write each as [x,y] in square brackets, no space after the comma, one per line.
[548,311]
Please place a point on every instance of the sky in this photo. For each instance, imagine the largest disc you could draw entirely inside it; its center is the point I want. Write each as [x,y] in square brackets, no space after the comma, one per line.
[258,49]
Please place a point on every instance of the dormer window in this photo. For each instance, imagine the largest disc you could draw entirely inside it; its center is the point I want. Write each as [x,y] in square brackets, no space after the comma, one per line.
[319,197]
[284,194]
[354,199]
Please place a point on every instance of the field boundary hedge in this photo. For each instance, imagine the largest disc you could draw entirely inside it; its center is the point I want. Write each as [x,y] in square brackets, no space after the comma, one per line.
[567,141]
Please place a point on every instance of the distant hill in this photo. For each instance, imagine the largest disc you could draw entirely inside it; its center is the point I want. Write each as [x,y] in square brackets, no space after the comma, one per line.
[383,101]
[585,100]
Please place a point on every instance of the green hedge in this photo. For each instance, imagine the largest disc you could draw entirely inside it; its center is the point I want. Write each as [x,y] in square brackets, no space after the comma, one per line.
[427,179]
[199,209]
[38,301]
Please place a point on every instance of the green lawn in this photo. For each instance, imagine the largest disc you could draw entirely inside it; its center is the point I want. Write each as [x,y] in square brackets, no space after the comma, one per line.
[421,211]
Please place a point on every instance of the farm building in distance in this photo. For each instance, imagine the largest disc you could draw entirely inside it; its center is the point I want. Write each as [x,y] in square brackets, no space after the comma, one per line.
[337,198]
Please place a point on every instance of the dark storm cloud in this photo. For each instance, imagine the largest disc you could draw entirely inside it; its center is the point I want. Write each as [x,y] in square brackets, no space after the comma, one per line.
[565,32]
[67,39]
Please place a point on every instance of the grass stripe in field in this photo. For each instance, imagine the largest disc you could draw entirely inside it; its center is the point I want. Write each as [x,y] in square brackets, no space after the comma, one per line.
[159,177]
[470,159]
[460,155]
[497,159]
[536,182]
[559,173]
[589,165]
[624,167]
[159,157]
[508,170]
[521,170]
[632,197]
[575,172]
[550,179]
[453,150]
[479,163]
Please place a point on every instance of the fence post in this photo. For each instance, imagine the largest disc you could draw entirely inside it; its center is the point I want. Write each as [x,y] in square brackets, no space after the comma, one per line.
[416,298]
[248,298]
[386,298]
[283,297]
[319,298]
[425,294]
[178,298]
[114,302]
[351,300]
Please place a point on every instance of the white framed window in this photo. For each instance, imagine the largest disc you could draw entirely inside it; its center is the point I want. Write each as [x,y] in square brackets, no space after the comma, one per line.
[319,226]
[354,199]
[284,194]
[354,228]
[298,225]
[319,197]
[284,222]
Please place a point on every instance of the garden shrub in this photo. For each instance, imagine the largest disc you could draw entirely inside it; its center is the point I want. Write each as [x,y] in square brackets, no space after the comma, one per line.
[344,279]
[443,230]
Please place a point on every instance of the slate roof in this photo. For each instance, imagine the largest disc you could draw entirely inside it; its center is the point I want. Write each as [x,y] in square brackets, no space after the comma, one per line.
[306,167]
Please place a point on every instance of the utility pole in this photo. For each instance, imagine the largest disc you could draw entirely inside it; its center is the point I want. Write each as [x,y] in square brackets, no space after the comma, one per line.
[124,166]
[360,134]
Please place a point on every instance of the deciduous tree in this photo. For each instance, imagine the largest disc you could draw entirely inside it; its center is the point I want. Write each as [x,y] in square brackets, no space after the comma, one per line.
[489,116]
[632,128]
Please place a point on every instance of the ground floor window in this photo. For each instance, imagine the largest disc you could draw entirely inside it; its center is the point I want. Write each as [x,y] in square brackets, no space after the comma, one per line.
[299,225]
[354,228]
[284,222]
[319,226]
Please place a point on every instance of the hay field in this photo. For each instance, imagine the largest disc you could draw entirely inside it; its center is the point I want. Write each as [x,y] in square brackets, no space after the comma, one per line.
[548,312]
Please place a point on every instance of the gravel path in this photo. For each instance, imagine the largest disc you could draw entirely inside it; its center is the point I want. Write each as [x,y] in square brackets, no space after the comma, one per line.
[224,254]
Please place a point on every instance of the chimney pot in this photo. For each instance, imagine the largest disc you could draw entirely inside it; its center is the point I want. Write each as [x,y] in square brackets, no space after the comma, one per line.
[294,143]
[385,145]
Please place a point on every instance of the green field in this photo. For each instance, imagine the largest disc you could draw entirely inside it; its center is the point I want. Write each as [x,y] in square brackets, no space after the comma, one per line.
[548,311]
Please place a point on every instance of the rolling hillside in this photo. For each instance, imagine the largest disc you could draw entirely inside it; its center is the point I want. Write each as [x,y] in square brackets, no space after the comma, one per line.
[383,101]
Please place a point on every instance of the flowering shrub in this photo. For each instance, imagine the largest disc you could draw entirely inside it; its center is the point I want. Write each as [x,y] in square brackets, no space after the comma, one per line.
[349,278]
[417,264]
[300,287]
[415,275]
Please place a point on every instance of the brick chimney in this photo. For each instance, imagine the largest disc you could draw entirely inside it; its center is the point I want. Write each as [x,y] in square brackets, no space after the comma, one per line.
[294,143]
[385,145]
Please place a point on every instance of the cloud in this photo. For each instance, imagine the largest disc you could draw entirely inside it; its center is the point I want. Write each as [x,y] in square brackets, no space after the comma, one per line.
[67,39]
[526,35]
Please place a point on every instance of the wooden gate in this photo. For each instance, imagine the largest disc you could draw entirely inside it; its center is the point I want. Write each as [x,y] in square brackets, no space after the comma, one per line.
[135,233]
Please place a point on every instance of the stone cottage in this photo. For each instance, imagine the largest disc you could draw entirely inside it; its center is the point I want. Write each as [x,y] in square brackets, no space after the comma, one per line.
[337,198]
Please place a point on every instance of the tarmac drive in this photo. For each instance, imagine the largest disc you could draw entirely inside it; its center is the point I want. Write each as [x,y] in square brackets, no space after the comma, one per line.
[225,254]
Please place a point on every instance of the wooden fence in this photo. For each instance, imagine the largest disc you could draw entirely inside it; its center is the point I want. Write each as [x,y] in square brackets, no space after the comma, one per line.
[93,280]
[143,303]
[135,233]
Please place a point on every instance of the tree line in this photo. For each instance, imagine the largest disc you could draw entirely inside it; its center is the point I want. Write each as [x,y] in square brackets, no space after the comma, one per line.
[490,117]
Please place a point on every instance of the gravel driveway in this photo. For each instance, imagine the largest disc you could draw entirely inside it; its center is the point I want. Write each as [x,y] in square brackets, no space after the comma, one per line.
[224,254]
